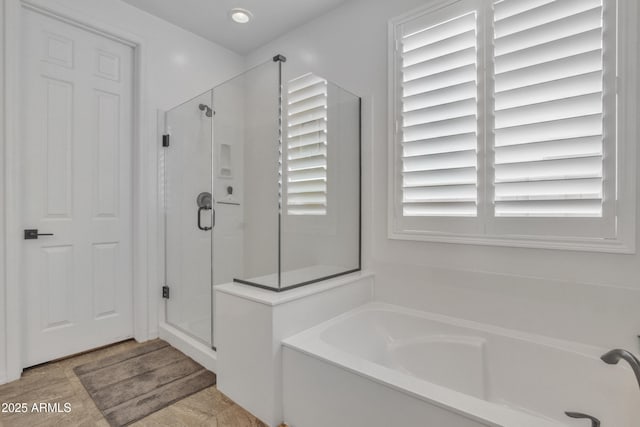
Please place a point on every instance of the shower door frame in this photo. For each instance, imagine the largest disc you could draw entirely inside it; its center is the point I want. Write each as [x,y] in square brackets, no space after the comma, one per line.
[144,206]
[162,267]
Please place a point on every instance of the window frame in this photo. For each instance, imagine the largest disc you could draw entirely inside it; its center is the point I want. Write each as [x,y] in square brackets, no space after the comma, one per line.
[442,11]
[619,235]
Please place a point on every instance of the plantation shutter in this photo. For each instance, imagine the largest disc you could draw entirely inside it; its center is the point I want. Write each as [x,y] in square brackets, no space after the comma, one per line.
[439,116]
[549,108]
[307,146]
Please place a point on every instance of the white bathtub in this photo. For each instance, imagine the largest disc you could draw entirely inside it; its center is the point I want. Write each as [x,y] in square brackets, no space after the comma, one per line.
[383,365]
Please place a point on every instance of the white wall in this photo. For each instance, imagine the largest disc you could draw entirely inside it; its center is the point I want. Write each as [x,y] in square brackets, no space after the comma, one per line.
[588,297]
[179,66]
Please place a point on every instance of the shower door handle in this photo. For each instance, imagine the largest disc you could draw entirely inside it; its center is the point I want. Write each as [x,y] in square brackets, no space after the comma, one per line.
[200,226]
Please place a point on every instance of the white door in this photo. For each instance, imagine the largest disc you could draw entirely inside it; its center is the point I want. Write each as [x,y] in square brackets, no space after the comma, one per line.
[76,185]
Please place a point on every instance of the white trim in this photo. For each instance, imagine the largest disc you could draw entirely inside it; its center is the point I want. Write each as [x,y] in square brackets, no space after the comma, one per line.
[272,299]
[190,346]
[144,188]
[2,204]
[628,127]
[445,10]
[621,245]
[12,160]
[627,110]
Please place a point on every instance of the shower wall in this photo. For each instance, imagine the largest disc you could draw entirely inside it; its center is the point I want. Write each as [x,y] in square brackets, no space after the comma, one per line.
[310,246]
[204,247]
[285,206]
[261,114]
[228,181]
[316,246]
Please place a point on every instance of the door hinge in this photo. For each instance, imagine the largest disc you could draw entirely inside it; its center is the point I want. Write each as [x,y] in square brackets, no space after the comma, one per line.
[165,140]
[165,292]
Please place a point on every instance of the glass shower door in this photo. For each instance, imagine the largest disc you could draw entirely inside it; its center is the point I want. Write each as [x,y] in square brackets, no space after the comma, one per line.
[189,217]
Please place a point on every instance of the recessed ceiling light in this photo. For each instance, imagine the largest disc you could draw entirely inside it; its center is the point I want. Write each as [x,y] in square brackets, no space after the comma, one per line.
[241,16]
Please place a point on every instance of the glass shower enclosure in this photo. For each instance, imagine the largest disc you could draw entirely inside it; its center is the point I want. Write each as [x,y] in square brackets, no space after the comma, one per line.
[261,183]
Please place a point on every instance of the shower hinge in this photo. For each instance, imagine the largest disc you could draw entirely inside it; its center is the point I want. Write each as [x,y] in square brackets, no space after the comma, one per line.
[165,140]
[165,292]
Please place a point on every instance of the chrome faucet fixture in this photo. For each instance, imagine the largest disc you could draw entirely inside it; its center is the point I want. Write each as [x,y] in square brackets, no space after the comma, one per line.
[614,356]
[594,421]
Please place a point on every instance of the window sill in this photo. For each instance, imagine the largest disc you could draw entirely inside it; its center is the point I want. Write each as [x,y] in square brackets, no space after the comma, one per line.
[618,245]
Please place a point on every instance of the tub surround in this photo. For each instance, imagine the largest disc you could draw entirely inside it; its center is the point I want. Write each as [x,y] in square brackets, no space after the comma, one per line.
[250,324]
[393,360]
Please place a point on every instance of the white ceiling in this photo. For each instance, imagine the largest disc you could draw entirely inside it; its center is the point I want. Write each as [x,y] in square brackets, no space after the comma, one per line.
[210,18]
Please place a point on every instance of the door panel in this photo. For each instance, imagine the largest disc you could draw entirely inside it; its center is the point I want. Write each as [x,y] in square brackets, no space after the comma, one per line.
[57,287]
[77,143]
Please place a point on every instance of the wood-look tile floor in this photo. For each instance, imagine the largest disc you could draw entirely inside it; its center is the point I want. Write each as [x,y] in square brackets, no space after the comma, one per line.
[55,382]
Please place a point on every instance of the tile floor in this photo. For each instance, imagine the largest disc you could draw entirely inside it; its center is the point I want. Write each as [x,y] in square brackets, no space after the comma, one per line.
[56,382]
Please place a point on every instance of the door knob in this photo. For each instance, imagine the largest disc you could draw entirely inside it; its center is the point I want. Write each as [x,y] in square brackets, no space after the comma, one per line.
[32,233]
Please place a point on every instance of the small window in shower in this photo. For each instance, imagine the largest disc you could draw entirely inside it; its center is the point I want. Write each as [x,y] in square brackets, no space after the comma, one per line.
[306,156]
